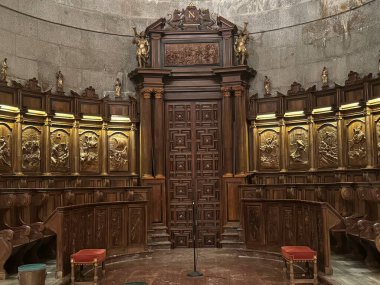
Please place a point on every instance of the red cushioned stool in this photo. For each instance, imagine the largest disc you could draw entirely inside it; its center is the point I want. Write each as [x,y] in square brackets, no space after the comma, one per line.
[88,257]
[292,254]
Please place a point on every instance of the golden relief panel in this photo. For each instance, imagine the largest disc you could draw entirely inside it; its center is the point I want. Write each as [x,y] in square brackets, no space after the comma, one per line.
[118,144]
[59,150]
[327,145]
[357,144]
[269,143]
[5,148]
[31,149]
[298,147]
[182,54]
[89,151]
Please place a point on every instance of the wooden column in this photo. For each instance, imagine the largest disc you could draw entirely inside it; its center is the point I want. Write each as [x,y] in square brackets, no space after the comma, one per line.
[146,133]
[369,135]
[133,149]
[18,144]
[104,146]
[340,139]
[241,131]
[255,147]
[283,152]
[46,139]
[310,122]
[75,148]
[227,132]
[159,133]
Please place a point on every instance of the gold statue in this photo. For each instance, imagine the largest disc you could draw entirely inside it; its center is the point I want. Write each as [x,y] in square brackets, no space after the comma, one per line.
[267,86]
[4,70]
[143,48]
[325,77]
[59,77]
[240,46]
[117,87]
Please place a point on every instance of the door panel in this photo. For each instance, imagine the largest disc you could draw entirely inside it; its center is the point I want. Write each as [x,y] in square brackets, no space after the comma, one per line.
[193,158]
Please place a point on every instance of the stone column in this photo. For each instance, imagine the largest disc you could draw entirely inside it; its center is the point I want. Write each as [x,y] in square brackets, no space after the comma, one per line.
[133,149]
[75,148]
[241,131]
[283,152]
[159,133]
[104,151]
[369,136]
[340,139]
[227,132]
[146,133]
[18,144]
[310,122]
[46,138]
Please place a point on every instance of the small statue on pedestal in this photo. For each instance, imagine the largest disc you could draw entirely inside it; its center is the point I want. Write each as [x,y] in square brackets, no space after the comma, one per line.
[117,88]
[59,77]
[4,71]
[325,78]
[240,46]
[378,67]
[267,86]
[143,48]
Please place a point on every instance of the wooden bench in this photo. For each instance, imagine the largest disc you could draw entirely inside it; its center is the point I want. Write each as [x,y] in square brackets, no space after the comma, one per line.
[88,257]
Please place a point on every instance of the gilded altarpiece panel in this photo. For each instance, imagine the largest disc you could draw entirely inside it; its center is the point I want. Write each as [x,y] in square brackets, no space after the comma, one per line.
[60,150]
[298,148]
[89,151]
[327,146]
[356,144]
[269,149]
[31,149]
[5,148]
[118,155]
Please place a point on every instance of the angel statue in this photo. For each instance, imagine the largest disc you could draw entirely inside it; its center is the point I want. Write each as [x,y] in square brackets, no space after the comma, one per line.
[267,86]
[4,70]
[143,48]
[240,46]
[59,77]
[325,77]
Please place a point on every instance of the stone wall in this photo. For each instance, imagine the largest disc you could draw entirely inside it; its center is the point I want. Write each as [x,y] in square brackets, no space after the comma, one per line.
[89,39]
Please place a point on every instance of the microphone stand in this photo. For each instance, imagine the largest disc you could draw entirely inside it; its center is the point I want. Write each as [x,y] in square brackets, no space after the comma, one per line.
[194,273]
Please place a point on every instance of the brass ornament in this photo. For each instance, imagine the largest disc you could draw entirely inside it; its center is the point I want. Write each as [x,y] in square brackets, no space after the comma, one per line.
[59,153]
[143,48]
[240,46]
[118,152]
[31,152]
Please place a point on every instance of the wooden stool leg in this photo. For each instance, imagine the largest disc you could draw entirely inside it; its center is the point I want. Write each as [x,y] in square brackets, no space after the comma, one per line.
[103,268]
[95,271]
[72,272]
[315,271]
[291,274]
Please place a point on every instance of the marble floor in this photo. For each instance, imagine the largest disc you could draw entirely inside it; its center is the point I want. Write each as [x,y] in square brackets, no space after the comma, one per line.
[219,267]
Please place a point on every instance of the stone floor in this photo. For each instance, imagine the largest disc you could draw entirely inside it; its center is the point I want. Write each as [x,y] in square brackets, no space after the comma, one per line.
[219,267]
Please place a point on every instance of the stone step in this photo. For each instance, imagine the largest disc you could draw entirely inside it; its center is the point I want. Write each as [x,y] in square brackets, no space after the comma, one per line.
[160,245]
[159,237]
[232,244]
[230,236]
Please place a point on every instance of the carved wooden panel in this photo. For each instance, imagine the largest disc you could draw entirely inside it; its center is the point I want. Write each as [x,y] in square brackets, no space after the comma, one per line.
[298,148]
[136,228]
[31,149]
[255,224]
[377,142]
[356,144]
[188,54]
[89,151]
[327,146]
[118,146]
[59,150]
[193,132]
[5,148]
[269,149]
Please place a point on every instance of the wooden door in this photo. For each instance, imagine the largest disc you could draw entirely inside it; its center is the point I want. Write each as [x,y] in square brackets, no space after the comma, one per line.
[193,170]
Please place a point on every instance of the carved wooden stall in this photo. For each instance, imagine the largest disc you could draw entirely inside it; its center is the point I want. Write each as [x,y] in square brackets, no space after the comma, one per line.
[270,224]
[193,92]
[118,227]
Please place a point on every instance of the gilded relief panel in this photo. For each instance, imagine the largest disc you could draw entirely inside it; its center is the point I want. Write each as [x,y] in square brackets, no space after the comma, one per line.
[357,144]
[182,54]
[327,146]
[59,150]
[118,145]
[31,149]
[5,148]
[89,151]
[298,147]
[269,149]
[377,153]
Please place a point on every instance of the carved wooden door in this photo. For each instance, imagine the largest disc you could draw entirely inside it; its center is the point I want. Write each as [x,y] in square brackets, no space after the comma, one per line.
[193,169]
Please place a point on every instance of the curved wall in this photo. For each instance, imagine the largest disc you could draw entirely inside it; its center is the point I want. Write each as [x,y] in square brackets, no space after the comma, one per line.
[94,50]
